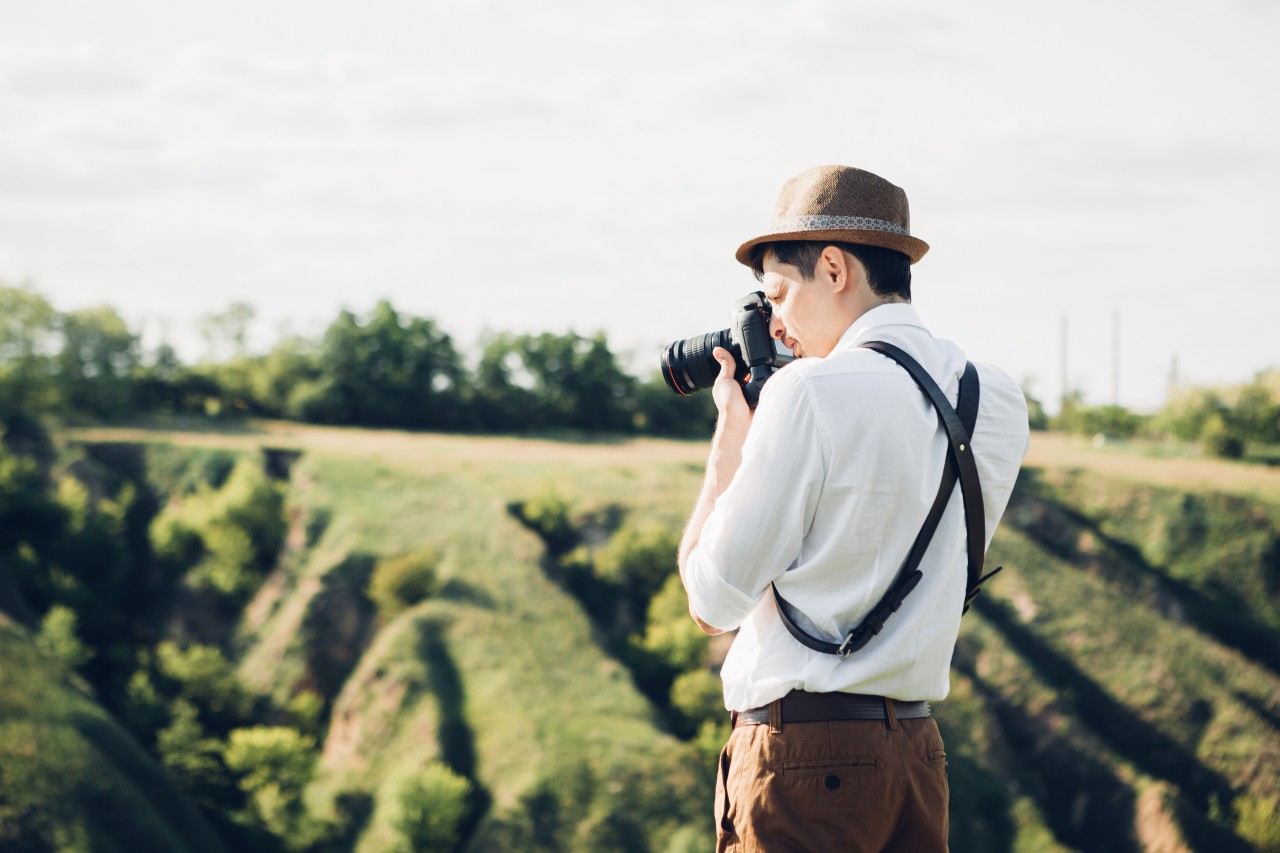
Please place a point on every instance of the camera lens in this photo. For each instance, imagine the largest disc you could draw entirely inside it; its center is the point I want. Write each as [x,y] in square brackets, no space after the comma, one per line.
[689,366]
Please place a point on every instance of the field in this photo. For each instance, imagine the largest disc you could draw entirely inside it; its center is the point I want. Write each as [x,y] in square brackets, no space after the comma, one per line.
[1116,688]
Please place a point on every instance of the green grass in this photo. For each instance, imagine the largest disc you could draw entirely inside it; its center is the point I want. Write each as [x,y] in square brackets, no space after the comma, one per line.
[533,691]
[1086,695]
[70,778]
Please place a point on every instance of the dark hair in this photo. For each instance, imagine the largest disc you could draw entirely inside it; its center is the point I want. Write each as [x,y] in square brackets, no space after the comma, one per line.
[888,272]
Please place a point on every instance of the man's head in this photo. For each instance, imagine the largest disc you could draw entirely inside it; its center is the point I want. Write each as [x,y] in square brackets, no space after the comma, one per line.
[819,289]
[838,245]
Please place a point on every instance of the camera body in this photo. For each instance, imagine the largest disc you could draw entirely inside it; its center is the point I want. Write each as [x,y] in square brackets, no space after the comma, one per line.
[688,365]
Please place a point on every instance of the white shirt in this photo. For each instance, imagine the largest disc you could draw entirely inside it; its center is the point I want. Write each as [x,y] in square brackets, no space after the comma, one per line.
[841,464]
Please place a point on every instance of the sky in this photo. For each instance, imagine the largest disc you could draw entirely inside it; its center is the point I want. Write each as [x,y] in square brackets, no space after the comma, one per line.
[1078,169]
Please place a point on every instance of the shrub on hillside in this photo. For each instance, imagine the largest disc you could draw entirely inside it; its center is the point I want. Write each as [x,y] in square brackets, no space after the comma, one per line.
[639,559]
[174,542]
[670,633]
[190,756]
[273,765]
[398,583]
[547,513]
[431,808]
[224,539]
[203,676]
[58,638]
[228,564]
[250,501]
[698,696]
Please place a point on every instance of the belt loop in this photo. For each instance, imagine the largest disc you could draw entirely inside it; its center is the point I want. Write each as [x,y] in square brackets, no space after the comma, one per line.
[775,717]
[890,715]
[733,720]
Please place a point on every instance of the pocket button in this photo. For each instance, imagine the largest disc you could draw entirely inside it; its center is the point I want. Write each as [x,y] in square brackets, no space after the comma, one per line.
[832,782]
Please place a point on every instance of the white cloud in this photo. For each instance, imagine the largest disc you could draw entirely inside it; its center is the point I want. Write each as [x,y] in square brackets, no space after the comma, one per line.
[578,165]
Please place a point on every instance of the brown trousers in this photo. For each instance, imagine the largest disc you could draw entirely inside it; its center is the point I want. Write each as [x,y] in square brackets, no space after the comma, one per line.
[857,786]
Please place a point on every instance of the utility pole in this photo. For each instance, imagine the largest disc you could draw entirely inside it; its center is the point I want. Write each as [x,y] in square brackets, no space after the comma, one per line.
[1115,357]
[1062,403]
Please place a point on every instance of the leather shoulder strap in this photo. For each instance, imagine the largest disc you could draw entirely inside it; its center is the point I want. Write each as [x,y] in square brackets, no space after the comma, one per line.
[961,450]
[959,425]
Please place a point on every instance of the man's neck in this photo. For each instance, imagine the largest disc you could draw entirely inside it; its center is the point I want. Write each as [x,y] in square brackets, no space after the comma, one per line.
[870,303]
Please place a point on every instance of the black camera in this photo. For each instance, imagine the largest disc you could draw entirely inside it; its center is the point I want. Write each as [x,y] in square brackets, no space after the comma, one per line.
[689,366]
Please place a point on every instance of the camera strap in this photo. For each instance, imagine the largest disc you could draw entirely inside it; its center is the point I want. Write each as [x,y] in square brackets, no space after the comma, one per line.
[960,465]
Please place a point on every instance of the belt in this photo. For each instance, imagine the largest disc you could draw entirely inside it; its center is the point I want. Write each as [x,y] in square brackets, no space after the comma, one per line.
[800,707]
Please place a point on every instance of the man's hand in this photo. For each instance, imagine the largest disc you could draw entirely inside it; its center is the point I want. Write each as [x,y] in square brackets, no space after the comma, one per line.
[734,412]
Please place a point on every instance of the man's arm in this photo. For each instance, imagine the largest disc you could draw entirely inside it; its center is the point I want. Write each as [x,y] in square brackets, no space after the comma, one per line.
[732,424]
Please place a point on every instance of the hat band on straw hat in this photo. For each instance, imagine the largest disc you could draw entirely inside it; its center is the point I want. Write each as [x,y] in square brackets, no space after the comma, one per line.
[828,223]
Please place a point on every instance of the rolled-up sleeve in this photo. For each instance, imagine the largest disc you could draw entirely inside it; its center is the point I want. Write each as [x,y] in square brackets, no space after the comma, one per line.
[755,531]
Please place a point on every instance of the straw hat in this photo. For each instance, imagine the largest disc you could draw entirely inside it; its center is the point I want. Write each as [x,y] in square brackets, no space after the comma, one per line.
[844,205]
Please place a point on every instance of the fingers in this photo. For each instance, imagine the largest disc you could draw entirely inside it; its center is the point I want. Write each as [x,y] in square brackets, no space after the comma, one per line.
[734,413]
[727,365]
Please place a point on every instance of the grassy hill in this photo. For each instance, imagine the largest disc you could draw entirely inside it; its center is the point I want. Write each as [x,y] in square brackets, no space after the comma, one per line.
[1116,687]
[70,775]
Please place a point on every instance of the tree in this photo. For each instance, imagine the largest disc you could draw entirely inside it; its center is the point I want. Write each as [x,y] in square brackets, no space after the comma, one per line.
[431,808]
[273,765]
[226,332]
[28,339]
[387,371]
[96,363]
[502,396]
[567,381]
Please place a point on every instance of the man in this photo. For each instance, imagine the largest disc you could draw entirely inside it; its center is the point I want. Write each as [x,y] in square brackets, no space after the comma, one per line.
[816,498]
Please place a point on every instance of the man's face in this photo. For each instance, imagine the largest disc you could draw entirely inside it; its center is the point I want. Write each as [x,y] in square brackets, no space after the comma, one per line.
[792,299]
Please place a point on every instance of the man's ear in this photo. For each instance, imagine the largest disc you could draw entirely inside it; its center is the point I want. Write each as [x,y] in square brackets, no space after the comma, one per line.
[833,269]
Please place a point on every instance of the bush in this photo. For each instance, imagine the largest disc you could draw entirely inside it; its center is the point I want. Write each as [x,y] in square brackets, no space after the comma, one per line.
[431,808]
[189,755]
[273,765]
[398,583]
[58,639]
[250,501]
[1221,440]
[207,679]
[1187,412]
[226,539]
[228,564]
[639,559]
[547,513]
[698,696]
[174,542]
[670,631]
[1111,421]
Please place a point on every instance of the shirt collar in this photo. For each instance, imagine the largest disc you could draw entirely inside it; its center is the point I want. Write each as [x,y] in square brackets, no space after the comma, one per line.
[864,328]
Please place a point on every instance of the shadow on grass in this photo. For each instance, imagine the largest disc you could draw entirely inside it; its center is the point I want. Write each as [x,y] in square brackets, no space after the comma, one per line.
[168,815]
[338,625]
[1225,617]
[457,741]
[1269,713]
[460,591]
[979,808]
[1084,804]
[1139,742]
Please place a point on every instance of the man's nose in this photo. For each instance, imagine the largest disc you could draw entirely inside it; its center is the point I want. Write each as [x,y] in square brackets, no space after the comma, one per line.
[777,330]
